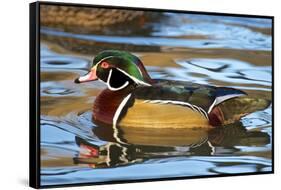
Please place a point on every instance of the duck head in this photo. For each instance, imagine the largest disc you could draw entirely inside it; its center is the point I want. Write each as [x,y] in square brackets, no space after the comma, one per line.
[118,69]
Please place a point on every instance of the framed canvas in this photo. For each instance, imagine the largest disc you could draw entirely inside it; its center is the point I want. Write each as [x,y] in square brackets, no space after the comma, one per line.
[120,94]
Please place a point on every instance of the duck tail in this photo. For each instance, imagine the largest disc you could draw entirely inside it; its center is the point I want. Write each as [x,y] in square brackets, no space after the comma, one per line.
[233,109]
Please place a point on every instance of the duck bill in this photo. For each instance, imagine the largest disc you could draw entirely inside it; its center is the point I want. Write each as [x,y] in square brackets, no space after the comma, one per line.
[90,76]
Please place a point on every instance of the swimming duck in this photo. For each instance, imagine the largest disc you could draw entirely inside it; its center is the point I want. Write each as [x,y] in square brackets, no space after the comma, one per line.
[134,99]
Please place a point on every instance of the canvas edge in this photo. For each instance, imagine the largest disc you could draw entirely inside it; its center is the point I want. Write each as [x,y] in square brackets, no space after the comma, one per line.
[34,96]
[34,172]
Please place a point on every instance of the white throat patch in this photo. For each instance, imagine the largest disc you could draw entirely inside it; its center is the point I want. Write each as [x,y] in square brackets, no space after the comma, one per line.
[113,88]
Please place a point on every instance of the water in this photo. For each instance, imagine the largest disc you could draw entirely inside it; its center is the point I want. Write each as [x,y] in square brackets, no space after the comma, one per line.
[215,50]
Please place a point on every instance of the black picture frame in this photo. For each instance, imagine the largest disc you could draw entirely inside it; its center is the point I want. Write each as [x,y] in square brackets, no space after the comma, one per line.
[34,91]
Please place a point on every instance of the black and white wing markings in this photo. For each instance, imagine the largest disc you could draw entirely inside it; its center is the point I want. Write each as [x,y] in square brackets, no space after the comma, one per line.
[224,94]
[191,106]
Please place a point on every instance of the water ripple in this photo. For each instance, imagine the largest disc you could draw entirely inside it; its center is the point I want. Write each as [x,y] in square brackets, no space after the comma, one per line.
[225,70]
[251,44]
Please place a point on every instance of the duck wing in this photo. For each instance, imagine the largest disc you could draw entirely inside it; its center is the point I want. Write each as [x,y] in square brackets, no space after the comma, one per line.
[202,98]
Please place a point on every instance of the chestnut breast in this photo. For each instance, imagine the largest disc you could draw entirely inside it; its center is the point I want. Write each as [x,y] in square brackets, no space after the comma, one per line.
[106,104]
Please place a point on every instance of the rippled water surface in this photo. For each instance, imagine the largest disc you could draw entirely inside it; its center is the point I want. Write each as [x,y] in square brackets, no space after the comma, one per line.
[215,50]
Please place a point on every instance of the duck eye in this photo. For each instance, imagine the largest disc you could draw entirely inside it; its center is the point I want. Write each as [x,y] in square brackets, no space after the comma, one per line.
[104,65]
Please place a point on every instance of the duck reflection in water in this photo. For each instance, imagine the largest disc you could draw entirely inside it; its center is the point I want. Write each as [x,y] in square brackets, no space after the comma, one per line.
[125,147]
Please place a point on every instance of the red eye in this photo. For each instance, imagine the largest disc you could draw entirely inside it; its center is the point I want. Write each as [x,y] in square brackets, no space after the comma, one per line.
[104,65]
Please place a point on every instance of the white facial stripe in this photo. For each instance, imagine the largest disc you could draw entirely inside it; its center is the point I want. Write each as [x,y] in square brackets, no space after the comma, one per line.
[140,71]
[133,78]
[103,59]
[113,56]
[112,88]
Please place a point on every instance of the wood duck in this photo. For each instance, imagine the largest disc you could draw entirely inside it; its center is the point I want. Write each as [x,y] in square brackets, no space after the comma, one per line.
[134,99]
